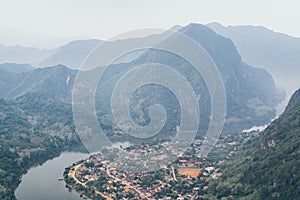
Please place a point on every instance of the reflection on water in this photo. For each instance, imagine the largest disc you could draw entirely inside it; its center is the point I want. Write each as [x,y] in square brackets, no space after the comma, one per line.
[41,183]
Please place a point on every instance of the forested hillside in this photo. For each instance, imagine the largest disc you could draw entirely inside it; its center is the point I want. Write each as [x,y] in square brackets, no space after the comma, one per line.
[250,92]
[33,128]
[36,121]
[267,167]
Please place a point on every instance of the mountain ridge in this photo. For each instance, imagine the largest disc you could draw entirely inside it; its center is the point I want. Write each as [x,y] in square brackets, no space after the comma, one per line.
[259,46]
[249,90]
[71,54]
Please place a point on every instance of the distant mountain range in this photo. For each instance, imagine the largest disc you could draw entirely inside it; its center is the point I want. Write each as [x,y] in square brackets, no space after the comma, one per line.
[36,116]
[251,93]
[17,68]
[22,55]
[276,52]
[258,46]
[71,54]
[248,89]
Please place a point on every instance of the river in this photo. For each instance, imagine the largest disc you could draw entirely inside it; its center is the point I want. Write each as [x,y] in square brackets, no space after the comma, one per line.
[41,182]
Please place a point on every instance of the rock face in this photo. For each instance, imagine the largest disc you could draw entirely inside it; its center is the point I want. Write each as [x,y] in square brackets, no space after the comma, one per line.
[276,52]
[249,90]
[251,93]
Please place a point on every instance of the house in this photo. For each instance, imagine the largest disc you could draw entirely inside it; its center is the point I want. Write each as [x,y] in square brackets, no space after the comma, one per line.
[198,163]
[209,169]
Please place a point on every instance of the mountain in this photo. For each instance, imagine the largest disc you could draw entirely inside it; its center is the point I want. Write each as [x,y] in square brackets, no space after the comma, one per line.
[251,93]
[276,52]
[17,68]
[55,82]
[267,167]
[36,116]
[20,54]
[35,123]
[249,90]
[241,80]
[71,54]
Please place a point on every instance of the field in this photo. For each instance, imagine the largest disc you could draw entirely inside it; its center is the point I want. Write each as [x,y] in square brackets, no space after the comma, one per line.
[187,171]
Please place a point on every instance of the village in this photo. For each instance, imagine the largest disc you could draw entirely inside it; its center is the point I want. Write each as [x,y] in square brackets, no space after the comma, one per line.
[109,175]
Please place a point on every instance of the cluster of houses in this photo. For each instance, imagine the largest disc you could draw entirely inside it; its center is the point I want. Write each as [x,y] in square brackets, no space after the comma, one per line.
[148,185]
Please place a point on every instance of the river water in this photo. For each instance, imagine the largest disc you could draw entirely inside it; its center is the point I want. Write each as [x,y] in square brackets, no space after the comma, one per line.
[41,182]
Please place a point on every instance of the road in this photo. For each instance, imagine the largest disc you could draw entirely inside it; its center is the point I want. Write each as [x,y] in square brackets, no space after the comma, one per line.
[127,184]
[72,174]
[173,173]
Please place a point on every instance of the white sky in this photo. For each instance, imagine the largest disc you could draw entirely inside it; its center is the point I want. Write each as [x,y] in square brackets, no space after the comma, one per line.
[50,23]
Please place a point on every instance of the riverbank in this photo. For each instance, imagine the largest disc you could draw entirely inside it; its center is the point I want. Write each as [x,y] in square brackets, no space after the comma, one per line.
[70,174]
[36,183]
[100,176]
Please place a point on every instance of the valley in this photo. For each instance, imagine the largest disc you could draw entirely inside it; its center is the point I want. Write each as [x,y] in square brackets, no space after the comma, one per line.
[112,175]
[37,125]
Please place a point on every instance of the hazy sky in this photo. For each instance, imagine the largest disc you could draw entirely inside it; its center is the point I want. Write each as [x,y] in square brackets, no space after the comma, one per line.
[50,23]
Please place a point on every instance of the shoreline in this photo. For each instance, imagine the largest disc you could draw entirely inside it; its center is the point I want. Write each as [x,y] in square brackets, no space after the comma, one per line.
[29,181]
[72,174]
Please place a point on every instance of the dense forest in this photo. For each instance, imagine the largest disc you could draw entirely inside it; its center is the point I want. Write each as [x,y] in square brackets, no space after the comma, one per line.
[267,167]
[33,128]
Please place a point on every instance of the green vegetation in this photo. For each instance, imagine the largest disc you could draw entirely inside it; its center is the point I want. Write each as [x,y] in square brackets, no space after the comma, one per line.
[266,167]
[251,94]
[35,125]
[55,82]
[33,129]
